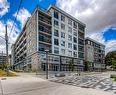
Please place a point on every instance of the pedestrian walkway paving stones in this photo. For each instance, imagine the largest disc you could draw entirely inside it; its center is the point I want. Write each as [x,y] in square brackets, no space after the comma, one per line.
[95,82]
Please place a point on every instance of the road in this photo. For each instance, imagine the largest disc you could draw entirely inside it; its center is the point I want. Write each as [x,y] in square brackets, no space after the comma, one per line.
[32,85]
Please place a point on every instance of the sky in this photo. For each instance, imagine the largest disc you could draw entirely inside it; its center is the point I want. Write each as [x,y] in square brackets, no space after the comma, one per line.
[98,15]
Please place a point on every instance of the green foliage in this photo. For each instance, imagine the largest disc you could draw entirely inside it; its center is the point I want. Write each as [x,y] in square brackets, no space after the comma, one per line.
[110,59]
[71,65]
[114,63]
[3,66]
[88,65]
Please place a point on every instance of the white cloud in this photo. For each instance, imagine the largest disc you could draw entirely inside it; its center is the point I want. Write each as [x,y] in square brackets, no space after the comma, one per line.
[12,37]
[4,6]
[98,15]
[22,16]
[110,45]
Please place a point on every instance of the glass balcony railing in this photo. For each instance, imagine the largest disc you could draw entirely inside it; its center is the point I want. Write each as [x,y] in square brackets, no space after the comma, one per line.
[45,30]
[45,40]
[44,20]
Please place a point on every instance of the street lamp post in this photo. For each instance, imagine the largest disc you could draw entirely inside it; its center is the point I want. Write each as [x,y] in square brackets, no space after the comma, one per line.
[47,51]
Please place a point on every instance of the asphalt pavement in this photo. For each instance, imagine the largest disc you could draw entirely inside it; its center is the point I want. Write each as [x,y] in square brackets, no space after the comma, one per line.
[32,85]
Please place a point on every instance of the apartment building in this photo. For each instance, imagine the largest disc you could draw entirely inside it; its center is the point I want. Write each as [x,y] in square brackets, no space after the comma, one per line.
[53,30]
[94,54]
[3,58]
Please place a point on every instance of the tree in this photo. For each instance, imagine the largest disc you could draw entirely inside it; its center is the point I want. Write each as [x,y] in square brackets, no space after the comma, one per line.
[71,65]
[109,56]
[114,63]
[110,59]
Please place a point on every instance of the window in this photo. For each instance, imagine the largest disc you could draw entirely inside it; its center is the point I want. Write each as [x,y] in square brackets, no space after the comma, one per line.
[62,43]
[41,47]
[56,23]
[70,30]
[56,50]
[63,51]
[62,35]
[63,18]
[56,42]
[75,47]
[81,55]
[81,48]
[74,39]
[70,22]
[75,32]
[69,37]
[75,54]
[41,37]
[70,45]
[81,27]
[56,15]
[81,42]
[56,33]
[62,26]
[69,53]
[74,25]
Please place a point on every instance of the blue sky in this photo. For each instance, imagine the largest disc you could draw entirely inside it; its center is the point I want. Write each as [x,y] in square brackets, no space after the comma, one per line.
[99,18]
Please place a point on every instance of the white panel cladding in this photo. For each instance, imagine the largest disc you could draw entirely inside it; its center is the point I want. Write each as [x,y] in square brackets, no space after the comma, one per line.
[66,35]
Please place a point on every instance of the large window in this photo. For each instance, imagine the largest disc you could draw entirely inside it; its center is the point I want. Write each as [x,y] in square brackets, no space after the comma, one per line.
[70,30]
[62,35]
[56,33]
[69,37]
[56,42]
[62,26]
[56,15]
[81,48]
[63,18]
[70,22]
[74,39]
[70,45]
[75,32]
[75,54]
[81,55]
[81,42]
[69,53]
[75,47]
[63,51]
[56,23]
[62,43]
[41,37]
[41,47]
[81,27]
[56,50]
[74,25]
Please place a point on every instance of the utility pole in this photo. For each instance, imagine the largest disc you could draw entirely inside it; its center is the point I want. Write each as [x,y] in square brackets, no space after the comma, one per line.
[47,51]
[6,39]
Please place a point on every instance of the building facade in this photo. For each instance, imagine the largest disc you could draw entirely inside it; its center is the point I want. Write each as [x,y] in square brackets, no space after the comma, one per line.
[53,30]
[3,58]
[94,54]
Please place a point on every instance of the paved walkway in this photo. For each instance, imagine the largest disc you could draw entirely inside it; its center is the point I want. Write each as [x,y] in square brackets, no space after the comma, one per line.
[28,85]
[96,81]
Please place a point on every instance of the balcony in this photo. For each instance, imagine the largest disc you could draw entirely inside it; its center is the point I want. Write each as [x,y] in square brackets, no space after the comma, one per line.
[44,20]
[81,35]
[80,41]
[44,30]
[44,40]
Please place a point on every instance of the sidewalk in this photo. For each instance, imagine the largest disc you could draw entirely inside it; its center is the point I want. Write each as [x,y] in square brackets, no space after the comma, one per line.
[37,86]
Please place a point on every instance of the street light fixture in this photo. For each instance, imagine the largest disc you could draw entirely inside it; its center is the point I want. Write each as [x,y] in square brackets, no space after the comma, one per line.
[47,51]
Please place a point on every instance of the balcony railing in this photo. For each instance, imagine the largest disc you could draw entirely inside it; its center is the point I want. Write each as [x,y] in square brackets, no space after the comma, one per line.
[45,40]
[43,19]
[43,29]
